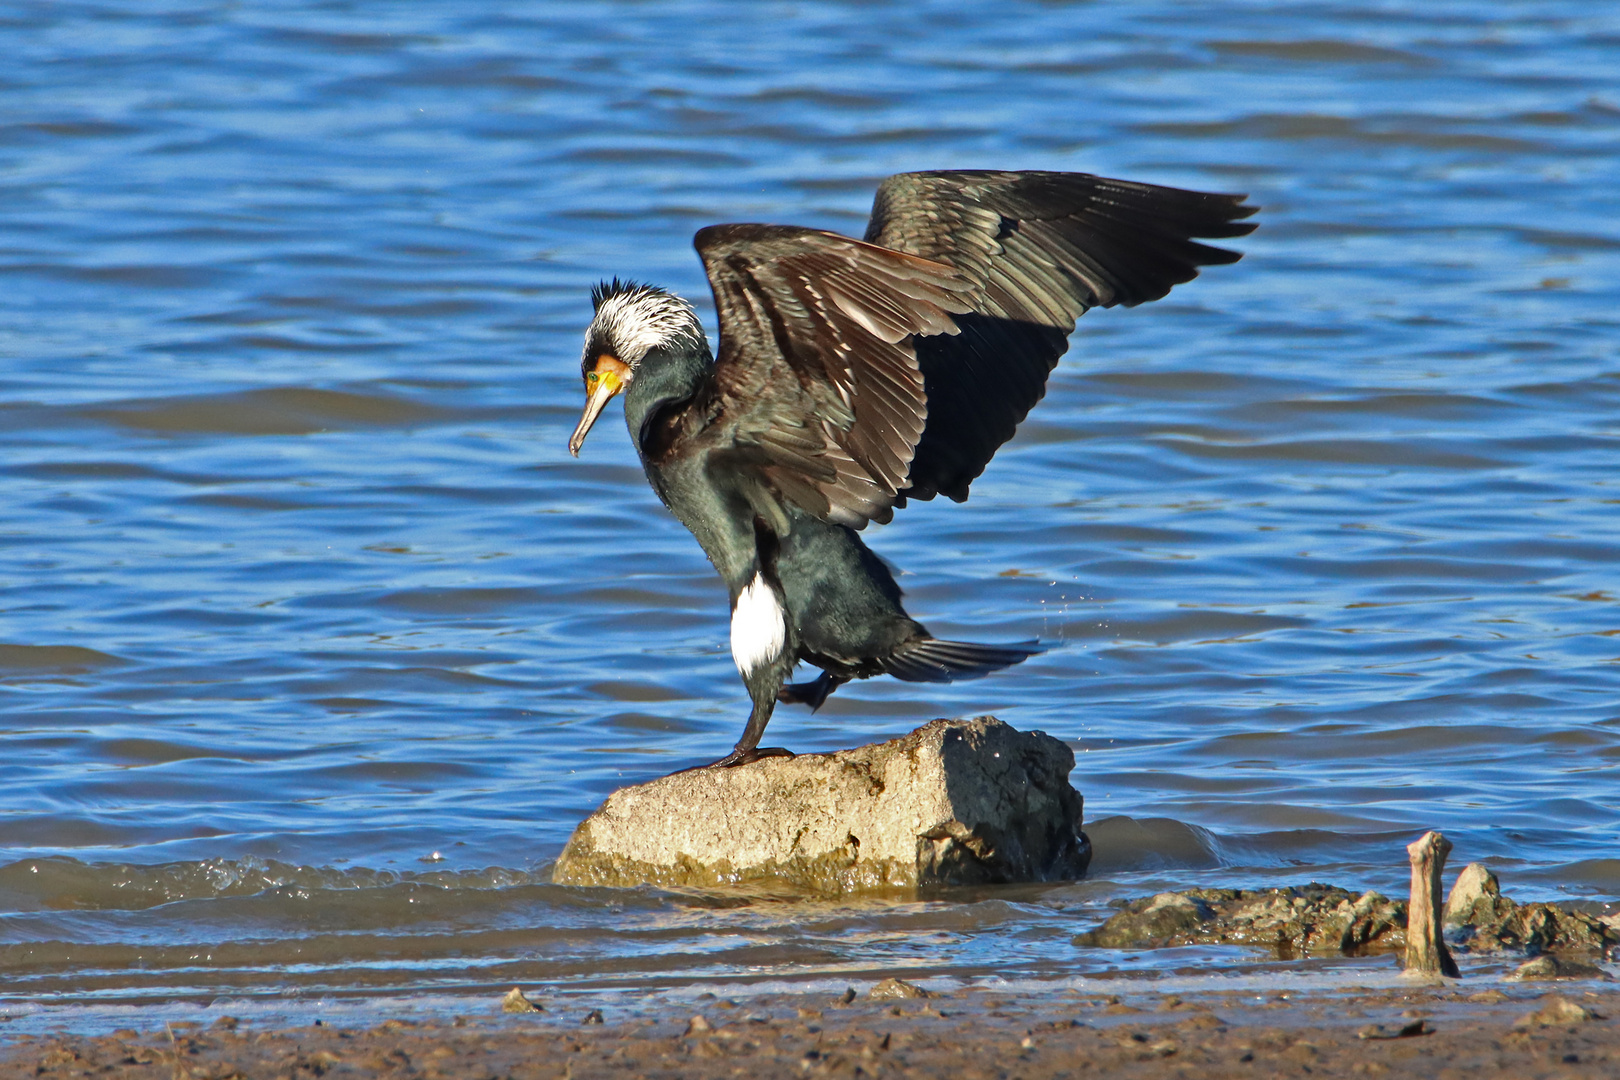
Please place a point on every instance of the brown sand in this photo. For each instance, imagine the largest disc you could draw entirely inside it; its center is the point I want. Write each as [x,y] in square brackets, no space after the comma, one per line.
[1451,1032]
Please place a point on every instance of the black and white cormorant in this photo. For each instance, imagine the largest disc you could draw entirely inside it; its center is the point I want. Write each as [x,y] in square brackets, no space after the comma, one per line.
[855,375]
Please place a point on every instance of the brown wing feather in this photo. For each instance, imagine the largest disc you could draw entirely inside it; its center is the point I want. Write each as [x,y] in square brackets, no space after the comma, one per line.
[855,374]
[817,380]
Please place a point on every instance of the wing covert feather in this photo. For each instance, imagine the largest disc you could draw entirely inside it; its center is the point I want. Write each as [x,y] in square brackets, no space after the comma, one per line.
[818,381]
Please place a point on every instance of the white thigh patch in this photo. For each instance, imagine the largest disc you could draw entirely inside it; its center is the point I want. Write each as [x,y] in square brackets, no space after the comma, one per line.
[758,627]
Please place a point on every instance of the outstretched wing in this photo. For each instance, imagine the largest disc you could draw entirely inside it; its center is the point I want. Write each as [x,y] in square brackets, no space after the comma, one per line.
[818,399]
[1040,249]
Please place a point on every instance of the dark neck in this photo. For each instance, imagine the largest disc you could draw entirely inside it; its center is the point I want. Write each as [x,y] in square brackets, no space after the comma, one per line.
[663,377]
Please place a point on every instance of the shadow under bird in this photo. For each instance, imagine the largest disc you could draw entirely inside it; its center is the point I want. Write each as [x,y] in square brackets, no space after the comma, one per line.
[855,375]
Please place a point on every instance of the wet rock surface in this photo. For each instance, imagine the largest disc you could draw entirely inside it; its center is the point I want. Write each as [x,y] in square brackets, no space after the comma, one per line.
[1292,922]
[897,988]
[1552,966]
[516,1002]
[1481,920]
[1319,919]
[956,802]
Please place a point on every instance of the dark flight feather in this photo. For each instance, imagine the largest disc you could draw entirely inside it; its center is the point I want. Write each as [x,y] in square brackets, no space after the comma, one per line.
[854,375]
[1042,248]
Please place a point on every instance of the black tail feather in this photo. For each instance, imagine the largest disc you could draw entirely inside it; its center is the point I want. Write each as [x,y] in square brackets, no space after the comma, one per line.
[933,660]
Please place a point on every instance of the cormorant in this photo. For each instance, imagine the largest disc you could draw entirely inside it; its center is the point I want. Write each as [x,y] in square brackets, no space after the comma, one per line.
[855,375]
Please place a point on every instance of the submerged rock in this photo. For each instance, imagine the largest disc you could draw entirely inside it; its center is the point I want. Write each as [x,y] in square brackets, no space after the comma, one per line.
[1292,922]
[1163,918]
[956,802]
[1323,919]
[1482,920]
[1396,1031]
[516,1001]
[1549,966]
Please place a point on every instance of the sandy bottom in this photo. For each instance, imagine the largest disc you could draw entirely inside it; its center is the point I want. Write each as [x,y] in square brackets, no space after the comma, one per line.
[1448,1032]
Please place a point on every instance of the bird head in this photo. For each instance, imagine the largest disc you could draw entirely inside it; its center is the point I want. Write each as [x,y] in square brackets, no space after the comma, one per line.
[632,321]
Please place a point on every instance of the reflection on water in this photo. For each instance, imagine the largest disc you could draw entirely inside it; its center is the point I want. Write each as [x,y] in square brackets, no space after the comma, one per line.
[316,643]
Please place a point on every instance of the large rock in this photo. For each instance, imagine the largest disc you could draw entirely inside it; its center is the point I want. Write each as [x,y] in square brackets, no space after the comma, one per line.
[956,802]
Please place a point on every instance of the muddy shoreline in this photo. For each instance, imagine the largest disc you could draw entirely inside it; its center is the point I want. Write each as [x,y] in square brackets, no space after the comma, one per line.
[1535,1001]
[1419,1030]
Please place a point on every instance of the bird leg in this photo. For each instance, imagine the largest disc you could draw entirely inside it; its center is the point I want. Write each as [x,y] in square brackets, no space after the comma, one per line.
[763,683]
[762,644]
[813,693]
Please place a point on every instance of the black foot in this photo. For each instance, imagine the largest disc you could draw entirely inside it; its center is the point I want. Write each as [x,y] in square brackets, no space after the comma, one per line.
[745,757]
[813,693]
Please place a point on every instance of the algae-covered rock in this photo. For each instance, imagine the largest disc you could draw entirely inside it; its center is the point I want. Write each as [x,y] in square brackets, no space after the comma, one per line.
[516,1001]
[956,802]
[894,989]
[1374,923]
[1322,919]
[1291,922]
[1482,920]
[1157,919]
[1476,899]
[1550,966]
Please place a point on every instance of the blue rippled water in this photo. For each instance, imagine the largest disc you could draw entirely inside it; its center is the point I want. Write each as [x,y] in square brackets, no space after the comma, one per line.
[315,642]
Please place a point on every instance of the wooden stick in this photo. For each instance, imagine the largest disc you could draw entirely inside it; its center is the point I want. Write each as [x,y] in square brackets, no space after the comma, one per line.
[1426,952]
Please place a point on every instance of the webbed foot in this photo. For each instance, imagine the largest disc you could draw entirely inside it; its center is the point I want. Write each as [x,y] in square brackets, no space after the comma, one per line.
[812,693]
[739,756]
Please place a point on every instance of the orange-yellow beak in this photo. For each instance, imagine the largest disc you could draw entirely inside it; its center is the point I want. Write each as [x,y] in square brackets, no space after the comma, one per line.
[608,377]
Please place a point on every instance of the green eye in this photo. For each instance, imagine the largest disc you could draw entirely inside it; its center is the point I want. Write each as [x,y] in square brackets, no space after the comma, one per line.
[592,377]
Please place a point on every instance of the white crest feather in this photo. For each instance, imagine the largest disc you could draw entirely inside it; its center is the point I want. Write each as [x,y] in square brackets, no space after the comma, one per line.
[758,626]
[642,319]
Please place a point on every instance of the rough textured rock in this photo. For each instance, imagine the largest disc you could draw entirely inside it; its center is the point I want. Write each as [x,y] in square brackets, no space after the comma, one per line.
[1549,966]
[1539,928]
[516,1002]
[1292,922]
[1318,919]
[1476,899]
[896,989]
[1557,1011]
[1158,919]
[956,802]
[1482,920]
